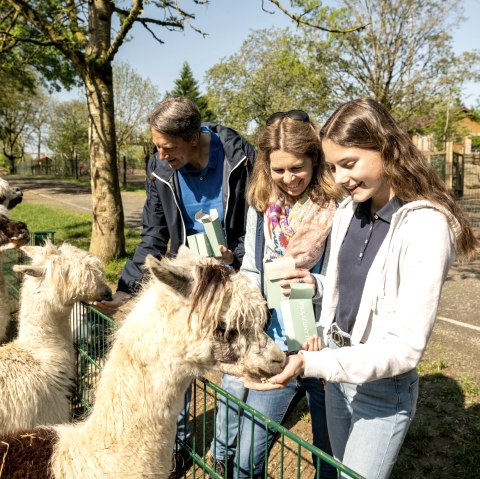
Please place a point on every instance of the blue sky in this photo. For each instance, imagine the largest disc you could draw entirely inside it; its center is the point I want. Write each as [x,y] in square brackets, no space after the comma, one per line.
[228,23]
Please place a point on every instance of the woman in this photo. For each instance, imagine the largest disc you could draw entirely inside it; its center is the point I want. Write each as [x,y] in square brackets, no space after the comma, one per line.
[393,241]
[292,202]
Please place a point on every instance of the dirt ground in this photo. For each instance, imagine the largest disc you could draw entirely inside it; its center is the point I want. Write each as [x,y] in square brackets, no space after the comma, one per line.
[444,440]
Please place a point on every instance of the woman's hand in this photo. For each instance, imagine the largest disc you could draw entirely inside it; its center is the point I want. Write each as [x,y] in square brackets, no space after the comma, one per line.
[227,255]
[111,307]
[294,366]
[313,343]
[298,276]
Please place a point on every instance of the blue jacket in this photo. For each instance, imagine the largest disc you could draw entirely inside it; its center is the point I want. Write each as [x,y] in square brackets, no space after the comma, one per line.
[163,225]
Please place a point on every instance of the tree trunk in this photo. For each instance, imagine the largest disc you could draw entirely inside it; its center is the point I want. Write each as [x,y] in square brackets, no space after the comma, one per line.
[108,239]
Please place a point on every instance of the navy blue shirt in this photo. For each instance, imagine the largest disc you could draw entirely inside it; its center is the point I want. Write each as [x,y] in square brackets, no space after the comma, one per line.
[202,189]
[364,237]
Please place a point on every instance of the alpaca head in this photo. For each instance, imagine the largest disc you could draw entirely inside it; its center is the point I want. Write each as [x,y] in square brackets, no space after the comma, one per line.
[13,234]
[9,197]
[63,274]
[227,314]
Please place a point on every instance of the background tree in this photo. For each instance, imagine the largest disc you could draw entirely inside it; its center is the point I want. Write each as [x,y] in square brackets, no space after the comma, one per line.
[273,71]
[187,86]
[403,58]
[134,98]
[17,110]
[68,136]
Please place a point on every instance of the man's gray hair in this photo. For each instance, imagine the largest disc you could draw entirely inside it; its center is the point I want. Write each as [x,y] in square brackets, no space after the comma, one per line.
[176,116]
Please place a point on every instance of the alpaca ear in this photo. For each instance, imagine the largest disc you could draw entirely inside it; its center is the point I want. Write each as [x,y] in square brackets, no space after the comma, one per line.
[36,271]
[169,273]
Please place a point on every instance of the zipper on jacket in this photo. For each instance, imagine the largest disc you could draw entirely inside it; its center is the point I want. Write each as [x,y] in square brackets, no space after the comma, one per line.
[228,192]
[184,239]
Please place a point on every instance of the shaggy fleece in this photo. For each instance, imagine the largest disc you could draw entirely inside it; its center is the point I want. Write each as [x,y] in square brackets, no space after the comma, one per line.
[26,454]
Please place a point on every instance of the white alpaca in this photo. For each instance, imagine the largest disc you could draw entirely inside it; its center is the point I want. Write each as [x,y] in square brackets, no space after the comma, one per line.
[37,369]
[193,315]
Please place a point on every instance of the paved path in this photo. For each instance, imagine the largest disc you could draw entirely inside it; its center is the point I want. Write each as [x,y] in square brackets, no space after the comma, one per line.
[77,197]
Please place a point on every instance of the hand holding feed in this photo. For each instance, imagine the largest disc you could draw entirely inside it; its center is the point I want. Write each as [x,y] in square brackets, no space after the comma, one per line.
[110,307]
[294,367]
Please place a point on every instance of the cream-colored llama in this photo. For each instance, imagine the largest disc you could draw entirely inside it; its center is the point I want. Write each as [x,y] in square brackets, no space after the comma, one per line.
[37,369]
[192,315]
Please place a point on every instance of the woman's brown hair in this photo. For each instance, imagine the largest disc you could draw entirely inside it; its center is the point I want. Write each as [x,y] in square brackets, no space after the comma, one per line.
[297,137]
[365,123]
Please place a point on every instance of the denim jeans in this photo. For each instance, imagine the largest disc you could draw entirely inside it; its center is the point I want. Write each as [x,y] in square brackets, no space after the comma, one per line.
[278,405]
[368,422]
[183,421]
[224,441]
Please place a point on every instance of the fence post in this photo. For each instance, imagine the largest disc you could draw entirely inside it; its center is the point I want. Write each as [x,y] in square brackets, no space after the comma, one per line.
[449,165]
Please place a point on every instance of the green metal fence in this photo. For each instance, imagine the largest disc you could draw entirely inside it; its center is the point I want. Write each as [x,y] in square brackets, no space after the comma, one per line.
[289,457]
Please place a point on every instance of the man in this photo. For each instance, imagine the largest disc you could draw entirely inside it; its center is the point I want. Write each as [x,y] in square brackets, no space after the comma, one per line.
[194,166]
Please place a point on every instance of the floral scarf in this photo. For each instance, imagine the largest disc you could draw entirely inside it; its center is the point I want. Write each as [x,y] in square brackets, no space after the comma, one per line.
[299,231]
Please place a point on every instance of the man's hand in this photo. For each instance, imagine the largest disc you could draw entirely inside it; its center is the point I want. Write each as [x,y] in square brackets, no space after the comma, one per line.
[110,307]
[227,255]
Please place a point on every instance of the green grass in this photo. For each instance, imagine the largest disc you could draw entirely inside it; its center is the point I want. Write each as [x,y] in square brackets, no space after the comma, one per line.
[75,228]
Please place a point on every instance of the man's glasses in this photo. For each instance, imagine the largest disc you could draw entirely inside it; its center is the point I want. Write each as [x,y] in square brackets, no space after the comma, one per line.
[298,115]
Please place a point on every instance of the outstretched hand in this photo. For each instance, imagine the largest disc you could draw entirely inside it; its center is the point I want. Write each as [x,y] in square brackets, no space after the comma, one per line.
[111,307]
[294,367]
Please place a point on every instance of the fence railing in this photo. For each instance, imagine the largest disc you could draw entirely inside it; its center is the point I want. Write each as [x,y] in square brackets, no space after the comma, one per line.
[289,456]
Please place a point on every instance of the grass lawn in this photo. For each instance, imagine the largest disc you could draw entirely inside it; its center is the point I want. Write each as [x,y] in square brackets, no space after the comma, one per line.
[75,228]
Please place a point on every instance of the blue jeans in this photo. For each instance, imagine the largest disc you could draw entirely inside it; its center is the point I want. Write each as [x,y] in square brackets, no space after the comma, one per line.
[368,422]
[183,421]
[278,405]
[224,441]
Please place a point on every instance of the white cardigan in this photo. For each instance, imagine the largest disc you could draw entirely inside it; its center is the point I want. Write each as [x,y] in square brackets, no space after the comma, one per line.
[400,298]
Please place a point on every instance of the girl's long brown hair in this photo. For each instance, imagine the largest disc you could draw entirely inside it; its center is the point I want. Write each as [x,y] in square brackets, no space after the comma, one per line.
[365,123]
[298,138]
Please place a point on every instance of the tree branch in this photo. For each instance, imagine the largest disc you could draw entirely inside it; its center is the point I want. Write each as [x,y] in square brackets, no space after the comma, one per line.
[299,20]
[125,26]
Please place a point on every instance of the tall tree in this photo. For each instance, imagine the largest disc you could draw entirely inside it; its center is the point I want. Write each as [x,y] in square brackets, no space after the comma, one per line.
[273,71]
[17,111]
[403,57]
[134,98]
[187,86]
[68,133]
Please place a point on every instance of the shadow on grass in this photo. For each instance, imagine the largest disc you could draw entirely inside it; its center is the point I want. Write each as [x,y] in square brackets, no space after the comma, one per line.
[444,438]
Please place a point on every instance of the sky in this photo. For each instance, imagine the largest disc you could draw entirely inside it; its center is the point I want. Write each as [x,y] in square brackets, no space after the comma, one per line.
[228,23]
